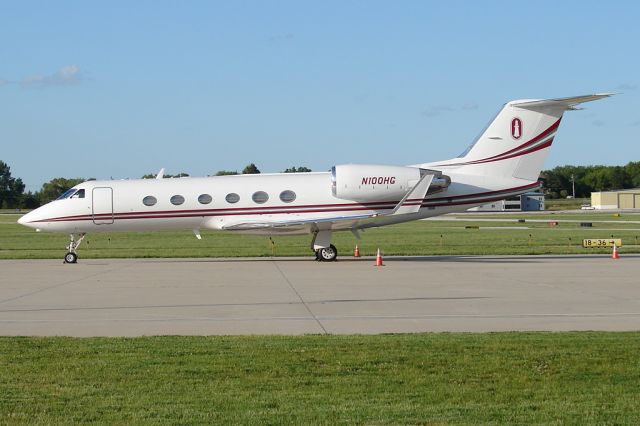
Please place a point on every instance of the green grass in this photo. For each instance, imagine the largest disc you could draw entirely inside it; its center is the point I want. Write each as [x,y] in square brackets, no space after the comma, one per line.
[565,203]
[582,216]
[413,238]
[463,378]
[495,378]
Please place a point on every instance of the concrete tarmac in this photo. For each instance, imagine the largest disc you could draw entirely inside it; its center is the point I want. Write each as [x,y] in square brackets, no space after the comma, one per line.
[136,297]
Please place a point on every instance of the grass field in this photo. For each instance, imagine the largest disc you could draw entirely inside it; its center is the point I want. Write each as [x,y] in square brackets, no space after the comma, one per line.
[440,237]
[565,203]
[445,378]
[515,378]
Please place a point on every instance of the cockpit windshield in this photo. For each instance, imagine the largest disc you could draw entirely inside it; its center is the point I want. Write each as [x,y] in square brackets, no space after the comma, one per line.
[67,194]
[79,194]
[72,193]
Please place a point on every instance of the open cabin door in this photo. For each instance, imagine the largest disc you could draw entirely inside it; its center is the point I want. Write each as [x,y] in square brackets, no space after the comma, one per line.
[102,206]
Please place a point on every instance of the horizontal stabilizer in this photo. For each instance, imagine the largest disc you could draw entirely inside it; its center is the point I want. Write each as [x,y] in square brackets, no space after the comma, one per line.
[566,103]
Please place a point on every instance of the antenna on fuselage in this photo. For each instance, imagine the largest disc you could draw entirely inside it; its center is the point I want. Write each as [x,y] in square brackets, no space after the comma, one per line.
[160,174]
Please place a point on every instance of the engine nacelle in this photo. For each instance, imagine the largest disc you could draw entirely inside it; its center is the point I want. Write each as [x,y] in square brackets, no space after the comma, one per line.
[367,182]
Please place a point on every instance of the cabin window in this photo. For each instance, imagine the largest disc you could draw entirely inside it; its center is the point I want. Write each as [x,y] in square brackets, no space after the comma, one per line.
[79,194]
[232,198]
[287,196]
[176,200]
[149,200]
[260,197]
[205,199]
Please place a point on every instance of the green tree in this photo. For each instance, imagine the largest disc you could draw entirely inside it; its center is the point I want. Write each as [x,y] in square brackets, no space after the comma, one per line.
[11,189]
[56,187]
[226,173]
[251,169]
[605,178]
[29,200]
[588,179]
[153,175]
[297,170]
[632,170]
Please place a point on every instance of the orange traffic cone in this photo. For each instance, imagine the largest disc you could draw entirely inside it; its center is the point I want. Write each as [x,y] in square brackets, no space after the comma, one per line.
[615,254]
[379,259]
[356,252]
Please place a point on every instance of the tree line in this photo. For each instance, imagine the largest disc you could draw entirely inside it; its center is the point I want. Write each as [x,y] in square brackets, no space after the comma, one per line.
[13,195]
[560,181]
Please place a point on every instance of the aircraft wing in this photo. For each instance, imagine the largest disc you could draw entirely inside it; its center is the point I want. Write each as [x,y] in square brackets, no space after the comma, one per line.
[410,203]
[295,223]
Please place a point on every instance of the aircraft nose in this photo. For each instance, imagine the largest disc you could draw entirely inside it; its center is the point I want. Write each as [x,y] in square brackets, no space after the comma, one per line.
[27,219]
[23,220]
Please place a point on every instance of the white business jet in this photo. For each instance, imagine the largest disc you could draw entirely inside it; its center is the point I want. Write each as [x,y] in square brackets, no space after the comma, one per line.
[505,160]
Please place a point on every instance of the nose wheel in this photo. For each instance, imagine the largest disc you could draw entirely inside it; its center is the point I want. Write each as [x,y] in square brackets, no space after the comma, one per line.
[72,256]
[327,254]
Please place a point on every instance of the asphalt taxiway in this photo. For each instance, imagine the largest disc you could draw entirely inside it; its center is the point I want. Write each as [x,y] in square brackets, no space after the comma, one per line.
[135,297]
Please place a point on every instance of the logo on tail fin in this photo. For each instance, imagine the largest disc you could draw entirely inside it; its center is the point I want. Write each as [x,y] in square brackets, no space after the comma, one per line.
[516,128]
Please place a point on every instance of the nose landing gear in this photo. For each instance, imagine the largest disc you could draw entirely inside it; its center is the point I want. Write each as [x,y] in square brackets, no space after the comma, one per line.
[72,256]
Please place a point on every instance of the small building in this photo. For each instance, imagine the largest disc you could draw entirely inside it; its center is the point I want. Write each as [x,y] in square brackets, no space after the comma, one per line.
[622,199]
[530,201]
[494,206]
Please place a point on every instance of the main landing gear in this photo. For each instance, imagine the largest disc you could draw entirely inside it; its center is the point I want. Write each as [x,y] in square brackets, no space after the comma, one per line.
[327,254]
[72,256]
[321,245]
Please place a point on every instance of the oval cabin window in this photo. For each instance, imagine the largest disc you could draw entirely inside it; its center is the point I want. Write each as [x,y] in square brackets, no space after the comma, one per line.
[205,199]
[149,200]
[287,196]
[176,200]
[260,197]
[232,198]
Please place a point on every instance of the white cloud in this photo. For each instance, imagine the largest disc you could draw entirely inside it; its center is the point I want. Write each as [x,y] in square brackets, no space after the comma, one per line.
[70,73]
[67,75]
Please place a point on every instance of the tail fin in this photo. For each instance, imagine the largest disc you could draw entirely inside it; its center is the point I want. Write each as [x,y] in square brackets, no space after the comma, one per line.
[517,141]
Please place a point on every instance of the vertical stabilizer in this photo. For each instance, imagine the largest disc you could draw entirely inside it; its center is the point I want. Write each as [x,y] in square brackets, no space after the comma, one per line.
[517,141]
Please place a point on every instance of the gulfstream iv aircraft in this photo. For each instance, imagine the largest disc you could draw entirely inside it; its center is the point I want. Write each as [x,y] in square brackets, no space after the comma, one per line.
[504,161]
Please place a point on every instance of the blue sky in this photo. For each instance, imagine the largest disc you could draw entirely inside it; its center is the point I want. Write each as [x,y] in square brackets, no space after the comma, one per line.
[120,89]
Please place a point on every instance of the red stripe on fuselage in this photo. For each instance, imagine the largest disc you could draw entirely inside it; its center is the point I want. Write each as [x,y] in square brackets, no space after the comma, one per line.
[315,208]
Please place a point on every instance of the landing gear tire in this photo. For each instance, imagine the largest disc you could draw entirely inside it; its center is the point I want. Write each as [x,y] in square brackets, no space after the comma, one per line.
[327,254]
[71,256]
